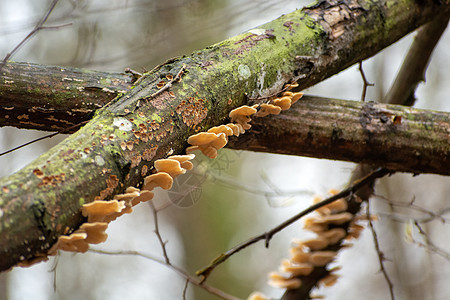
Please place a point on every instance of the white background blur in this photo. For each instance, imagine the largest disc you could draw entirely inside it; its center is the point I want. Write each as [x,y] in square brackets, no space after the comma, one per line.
[112,35]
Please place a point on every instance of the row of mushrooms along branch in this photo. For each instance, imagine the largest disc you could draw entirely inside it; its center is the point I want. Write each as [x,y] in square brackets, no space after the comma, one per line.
[100,213]
[329,225]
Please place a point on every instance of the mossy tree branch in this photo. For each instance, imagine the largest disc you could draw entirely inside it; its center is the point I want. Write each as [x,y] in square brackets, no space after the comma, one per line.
[51,98]
[117,148]
[391,136]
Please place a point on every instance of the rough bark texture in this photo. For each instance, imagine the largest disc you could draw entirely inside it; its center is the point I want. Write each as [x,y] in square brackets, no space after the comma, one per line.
[391,136]
[54,98]
[117,148]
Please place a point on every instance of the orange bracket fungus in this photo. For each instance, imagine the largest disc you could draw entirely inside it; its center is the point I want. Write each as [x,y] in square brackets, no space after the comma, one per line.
[207,142]
[277,280]
[98,210]
[184,160]
[160,179]
[268,109]
[169,166]
[241,115]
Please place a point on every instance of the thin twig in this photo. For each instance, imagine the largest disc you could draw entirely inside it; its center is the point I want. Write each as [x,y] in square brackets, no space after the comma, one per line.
[365,82]
[429,244]
[210,289]
[431,215]
[185,289]
[267,236]
[39,26]
[43,137]
[158,234]
[380,254]
[168,84]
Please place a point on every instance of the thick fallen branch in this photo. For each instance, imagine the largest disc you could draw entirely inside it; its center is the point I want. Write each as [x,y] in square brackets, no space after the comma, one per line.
[117,148]
[395,137]
[51,98]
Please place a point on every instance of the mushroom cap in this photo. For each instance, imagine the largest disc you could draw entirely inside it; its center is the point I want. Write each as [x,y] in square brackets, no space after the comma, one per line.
[74,243]
[315,244]
[334,235]
[257,296]
[242,111]
[95,232]
[144,197]
[221,129]
[284,103]
[169,166]
[207,142]
[161,179]
[202,138]
[336,219]
[268,109]
[302,269]
[220,141]
[296,96]
[184,160]
[321,258]
[98,210]
[237,129]
[329,280]
[299,256]
[285,283]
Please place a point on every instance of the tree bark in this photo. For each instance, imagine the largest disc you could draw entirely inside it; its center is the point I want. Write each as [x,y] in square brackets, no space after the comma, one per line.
[391,136]
[51,98]
[117,148]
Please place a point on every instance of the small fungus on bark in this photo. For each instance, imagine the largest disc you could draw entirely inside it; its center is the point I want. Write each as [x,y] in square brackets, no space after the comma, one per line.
[241,115]
[169,166]
[160,179]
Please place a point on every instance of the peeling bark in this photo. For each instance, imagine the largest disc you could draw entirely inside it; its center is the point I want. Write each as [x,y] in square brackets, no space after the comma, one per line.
[118,146]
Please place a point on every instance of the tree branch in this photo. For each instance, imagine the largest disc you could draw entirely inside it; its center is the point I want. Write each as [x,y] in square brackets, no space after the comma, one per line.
[392,136]
[42,201]
[52,98]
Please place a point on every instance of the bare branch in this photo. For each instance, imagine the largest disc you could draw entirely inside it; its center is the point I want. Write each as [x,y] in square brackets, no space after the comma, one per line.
[267,236]
[366,83]
[210,289]
[380,254]
[39,26]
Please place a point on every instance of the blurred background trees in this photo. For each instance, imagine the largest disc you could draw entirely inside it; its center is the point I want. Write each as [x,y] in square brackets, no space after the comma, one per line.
[228,203]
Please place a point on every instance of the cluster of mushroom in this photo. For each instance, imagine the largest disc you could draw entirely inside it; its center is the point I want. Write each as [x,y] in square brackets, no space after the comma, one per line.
[315,253]
[100,212]
[217,137]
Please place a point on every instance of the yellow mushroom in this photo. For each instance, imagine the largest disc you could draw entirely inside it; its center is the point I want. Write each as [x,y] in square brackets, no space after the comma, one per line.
[95,232]
[333,235]
[236,128]
[268,109]
[329,280]
[222,128]
[241,115]
[314,244]
[257,296]
[169,166]
[336,219]
[299,256]
[76,242]
[277,280]
[321,258]
[160,179]
[296,96]
[284,102]
[296,269]
[143,197]
[207,142]
[99,210]
[184,160]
